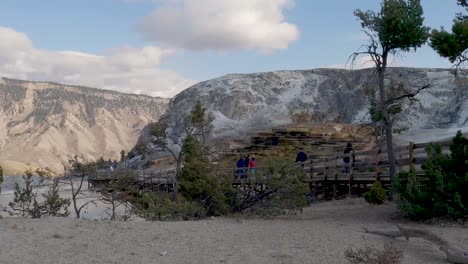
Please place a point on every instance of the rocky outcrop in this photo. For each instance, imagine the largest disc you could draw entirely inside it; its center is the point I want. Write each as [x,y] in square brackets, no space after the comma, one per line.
[45,123]
[243,103]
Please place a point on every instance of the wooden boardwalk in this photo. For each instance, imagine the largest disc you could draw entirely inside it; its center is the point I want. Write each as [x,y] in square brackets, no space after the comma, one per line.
[325,168]
[139,183]
[327,177]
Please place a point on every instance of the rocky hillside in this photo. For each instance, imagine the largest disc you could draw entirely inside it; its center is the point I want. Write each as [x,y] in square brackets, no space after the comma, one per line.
[243,103]
[45,123]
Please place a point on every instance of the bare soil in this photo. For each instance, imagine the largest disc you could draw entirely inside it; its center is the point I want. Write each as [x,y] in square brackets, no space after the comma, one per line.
[320,235]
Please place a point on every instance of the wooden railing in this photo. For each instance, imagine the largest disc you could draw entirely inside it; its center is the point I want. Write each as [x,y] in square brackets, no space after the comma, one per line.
[327,170]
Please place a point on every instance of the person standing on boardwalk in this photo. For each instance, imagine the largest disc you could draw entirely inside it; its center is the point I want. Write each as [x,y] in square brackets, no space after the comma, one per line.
[348,150]
[246,164]
[253,165]
[301,157]
[240,167]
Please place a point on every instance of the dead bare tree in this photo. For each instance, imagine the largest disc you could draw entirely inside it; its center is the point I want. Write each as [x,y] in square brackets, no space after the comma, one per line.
[454,253]
[79,169]
[115,194]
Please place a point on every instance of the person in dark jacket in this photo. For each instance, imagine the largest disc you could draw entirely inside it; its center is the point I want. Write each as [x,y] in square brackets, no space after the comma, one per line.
[240,167]
[301,157]
[246,165]
[246,161]
[348,149]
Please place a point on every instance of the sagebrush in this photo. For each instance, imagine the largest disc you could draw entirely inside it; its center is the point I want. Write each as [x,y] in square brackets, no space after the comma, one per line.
[371,255]
[376,194]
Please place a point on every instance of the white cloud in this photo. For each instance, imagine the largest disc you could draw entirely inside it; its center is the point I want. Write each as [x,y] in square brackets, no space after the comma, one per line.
[124,69]
[220,24]
[364,62]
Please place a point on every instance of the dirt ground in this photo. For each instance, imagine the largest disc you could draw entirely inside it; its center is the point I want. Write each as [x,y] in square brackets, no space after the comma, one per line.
[320,235]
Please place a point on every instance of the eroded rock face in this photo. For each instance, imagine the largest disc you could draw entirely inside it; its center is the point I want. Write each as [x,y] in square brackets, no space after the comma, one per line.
[45,123]
[243,103]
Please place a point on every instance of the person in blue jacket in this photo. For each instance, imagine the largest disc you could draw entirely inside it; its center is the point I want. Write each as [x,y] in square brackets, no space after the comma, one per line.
[301,157]
[348,150]
[240,167]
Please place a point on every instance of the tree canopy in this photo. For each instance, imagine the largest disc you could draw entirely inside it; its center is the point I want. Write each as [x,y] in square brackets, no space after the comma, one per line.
[453,45]
[397,27]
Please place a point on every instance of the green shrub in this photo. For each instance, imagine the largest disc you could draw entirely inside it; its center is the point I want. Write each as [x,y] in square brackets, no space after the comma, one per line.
[157,207]
[279,187]
[444,192]
[376,194]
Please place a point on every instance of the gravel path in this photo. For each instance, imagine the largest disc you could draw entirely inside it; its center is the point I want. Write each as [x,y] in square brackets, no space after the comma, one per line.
[320,235]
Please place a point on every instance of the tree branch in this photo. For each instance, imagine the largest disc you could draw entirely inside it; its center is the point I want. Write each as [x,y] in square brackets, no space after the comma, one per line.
[88,202]
[408,94]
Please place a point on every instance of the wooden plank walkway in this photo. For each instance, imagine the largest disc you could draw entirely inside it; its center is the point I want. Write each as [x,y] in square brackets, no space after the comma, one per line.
[325,168]
[327,175]
[139,183]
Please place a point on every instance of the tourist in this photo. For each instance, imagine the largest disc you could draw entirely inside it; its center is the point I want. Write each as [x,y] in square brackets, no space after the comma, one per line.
[246,164]
[349,150]
[253,165]
[240,167]
[301,157]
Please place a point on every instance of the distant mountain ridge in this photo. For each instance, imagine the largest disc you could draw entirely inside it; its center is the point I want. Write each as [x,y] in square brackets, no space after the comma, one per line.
[44,123]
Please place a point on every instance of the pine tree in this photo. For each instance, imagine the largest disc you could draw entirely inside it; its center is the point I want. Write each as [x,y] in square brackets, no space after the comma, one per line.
[453,45]
[198,181]
[397,28]
[26,203]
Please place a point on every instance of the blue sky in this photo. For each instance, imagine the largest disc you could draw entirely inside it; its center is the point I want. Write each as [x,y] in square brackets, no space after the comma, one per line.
[304,34]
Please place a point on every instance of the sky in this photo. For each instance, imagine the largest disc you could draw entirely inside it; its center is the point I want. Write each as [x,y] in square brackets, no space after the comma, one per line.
[160,47]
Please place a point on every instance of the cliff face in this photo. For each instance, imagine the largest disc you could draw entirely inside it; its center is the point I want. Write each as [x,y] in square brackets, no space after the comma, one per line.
[45,123]
[243,103]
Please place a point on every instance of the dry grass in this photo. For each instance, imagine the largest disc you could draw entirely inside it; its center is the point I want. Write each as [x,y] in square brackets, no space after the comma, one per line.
[370,255]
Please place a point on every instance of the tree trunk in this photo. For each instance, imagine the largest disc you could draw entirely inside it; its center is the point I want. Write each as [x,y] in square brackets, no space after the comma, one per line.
[386,119]
[77,212]
[177,177]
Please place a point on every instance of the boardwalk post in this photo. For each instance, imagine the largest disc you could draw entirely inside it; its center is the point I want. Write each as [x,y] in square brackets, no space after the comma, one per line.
[324,182]
[311,177]
[351,171]
[335,173]
[411,154]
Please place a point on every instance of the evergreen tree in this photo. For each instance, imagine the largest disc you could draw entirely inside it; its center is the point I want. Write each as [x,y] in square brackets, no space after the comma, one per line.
[444,193]
[197,125]
[453,45]
[398,27]
[26,202]
[122,155]
[198,182]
